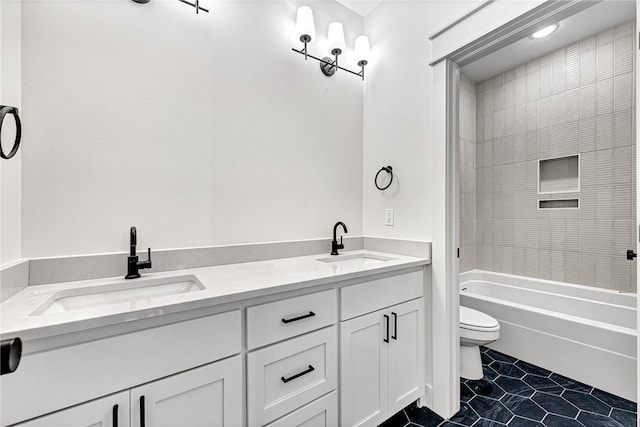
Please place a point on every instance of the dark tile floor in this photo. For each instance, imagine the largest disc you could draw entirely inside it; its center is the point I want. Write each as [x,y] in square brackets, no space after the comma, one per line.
[524,395]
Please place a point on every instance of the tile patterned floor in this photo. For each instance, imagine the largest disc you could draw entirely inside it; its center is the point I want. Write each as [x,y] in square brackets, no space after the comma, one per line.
[524,395]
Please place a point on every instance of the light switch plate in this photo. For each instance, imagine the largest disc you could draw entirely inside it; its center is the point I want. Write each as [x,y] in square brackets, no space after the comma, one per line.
[388,217]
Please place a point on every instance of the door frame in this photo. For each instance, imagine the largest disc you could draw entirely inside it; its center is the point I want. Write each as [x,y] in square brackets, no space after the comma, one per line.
[637,83]
[445,396]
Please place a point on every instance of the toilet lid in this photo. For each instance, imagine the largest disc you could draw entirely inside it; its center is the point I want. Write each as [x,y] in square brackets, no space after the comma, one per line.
[474,319]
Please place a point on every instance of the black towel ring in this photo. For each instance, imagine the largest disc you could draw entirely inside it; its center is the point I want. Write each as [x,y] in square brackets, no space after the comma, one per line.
[4,110]
[387,169]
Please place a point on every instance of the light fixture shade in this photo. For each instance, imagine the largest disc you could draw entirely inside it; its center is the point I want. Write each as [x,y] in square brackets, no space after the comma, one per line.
[362,49]
[305,28]
[336,38]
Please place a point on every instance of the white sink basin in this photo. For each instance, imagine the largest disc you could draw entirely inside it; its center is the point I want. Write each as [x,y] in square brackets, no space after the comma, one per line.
[355,260]
[131,294]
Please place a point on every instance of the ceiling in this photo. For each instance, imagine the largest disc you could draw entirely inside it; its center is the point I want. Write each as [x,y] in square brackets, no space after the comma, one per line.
[361,7]
[593,20]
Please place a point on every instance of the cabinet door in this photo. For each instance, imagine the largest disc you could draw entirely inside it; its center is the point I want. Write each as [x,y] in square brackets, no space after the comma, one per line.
[110,411]
[202,397]
[364,367]
[406,354]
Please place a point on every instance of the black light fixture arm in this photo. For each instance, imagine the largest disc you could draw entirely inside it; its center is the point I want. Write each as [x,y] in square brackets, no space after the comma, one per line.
[362,64]
[196,5]
[329,64]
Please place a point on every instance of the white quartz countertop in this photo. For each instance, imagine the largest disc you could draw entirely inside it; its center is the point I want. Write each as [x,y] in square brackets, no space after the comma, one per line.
[223,284]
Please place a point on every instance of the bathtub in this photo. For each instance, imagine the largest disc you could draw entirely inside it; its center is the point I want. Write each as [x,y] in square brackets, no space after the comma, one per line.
[584,333]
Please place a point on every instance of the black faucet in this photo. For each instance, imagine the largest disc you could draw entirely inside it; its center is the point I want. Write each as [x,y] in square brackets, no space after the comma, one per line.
[133,265]
[334,244]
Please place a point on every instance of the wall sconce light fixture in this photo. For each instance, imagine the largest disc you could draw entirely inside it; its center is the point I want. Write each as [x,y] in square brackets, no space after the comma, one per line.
[306,32]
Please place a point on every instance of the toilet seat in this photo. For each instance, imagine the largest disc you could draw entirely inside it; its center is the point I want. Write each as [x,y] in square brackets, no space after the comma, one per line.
[474,320]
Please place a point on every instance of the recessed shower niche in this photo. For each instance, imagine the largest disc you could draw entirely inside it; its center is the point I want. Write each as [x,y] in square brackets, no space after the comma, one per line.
[556,177]
[559,175]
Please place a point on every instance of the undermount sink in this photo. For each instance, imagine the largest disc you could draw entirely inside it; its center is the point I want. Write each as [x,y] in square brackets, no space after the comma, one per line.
[132,294]
[355,259]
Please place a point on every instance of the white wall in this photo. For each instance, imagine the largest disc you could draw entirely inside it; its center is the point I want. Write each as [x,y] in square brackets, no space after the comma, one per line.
[405,126]
[199,129]
[397,114]
[10,170]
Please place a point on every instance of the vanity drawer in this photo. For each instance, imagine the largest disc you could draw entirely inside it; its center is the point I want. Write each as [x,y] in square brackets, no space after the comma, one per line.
[277,321]
[319,413]
[288,375]
[371,296]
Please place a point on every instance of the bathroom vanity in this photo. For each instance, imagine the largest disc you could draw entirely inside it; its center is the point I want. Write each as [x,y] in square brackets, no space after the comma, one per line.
[316,339]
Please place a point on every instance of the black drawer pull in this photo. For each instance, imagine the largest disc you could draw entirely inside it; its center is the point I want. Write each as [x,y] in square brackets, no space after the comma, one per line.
[295,319]
[115,415]
[305,372]
[386,321]
[143,422]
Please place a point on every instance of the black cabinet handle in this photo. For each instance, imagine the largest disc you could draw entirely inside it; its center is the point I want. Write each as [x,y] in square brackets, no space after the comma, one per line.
[305,372]
[386,319]
[631,255]
[395,326]
[142,416]
[115,415]
[295,319]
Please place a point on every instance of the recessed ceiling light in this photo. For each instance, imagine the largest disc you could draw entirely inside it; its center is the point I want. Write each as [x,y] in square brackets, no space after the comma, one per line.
[545,31]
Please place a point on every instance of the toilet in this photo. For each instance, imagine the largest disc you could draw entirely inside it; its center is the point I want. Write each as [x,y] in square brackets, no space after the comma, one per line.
[476,329]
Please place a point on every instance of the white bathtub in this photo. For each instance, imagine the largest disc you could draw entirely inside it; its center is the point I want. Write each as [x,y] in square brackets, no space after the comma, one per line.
[585,333]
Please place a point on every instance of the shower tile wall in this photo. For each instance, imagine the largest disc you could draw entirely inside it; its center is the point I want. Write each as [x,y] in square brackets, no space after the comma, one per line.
[576,100]
[467,174]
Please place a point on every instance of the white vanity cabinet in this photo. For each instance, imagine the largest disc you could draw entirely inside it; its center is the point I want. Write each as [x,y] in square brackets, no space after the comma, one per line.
[382,352]
[110,411]
[347,353]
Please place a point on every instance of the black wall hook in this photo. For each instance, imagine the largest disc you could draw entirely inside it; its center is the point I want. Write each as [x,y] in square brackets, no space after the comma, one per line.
[387,169]
[4,110]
